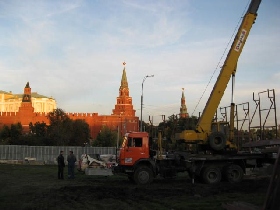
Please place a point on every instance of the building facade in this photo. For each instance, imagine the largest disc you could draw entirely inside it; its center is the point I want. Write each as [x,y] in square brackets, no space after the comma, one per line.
[10,102]
[27,108]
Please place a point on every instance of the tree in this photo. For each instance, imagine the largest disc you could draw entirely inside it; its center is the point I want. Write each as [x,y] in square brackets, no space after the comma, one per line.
[38,134]
[145,126]
[106,138]
[80,133]
[187,123]
[38,129]
[176,125]
[59,128]
[57,116]
[16,133]
[64,131]
[5,135]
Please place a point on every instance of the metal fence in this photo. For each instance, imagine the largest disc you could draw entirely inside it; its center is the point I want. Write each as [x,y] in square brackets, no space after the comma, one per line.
[48,154]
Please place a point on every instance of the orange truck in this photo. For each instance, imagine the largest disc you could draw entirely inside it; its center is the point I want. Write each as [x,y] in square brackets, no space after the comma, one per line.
[142,165]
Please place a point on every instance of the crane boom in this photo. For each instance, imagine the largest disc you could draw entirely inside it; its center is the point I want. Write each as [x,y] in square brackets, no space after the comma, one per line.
[228,68]
[203,128]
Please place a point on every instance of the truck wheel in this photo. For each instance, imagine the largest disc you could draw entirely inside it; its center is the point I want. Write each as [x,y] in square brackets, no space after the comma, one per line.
[143,175]
[234,174]
[217,141]
[211,175]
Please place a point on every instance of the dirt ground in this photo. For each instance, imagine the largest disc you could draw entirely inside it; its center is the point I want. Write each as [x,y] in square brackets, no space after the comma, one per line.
[37,187]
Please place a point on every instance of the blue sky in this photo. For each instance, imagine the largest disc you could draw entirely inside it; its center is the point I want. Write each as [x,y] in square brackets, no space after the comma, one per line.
[74,50]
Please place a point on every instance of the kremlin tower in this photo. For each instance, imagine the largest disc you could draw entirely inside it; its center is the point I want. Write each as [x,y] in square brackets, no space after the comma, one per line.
[183,108]
[124,101]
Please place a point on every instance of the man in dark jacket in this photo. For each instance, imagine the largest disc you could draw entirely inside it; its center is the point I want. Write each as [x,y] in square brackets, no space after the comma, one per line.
[61,165]
[71,164]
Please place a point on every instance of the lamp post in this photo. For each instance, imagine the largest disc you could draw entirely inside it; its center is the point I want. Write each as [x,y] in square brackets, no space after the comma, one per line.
[141,123]
[119,130]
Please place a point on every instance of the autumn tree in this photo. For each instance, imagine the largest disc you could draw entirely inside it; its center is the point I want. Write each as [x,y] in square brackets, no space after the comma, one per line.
[64,131]
[105,138]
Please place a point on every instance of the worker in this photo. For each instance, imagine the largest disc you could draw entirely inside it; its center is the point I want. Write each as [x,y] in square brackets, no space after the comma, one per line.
[71,159]
[61,165]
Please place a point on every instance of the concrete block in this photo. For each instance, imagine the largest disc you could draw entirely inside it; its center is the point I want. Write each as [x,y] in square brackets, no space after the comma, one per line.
[98,171]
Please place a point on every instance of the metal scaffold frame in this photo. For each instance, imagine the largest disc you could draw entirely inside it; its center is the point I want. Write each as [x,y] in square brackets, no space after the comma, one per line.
[260,113]
[272,107]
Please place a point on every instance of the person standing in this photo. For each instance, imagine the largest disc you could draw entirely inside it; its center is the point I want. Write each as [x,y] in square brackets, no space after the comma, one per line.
[61,165]
[71,158]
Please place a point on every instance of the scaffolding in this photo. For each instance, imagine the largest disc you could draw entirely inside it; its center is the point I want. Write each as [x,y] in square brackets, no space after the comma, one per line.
[243,122]
[260,109]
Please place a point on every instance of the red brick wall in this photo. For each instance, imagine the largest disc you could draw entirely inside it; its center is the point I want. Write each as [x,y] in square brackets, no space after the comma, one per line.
[25,116]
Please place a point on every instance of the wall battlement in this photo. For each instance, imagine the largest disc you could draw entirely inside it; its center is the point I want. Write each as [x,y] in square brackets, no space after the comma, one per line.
[41,114]
[81,114]
[8,114]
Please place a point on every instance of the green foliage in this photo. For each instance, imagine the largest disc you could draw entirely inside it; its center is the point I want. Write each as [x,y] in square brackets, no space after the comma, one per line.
[37,135]
[38,129]
[57,116]
[106,138]
[145,126]
[187,123]
[57,130]
[174,125]
[80,133]
[64,131]
[15,132]
[5,134]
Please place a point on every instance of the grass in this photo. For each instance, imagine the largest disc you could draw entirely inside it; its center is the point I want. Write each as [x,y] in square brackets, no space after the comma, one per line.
[25,187]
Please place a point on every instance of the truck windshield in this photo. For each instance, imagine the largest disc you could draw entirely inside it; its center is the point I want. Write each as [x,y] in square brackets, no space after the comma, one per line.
[134,142]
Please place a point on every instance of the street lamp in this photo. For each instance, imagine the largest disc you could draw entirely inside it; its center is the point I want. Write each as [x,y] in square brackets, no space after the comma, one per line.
[119,131]
[142,99]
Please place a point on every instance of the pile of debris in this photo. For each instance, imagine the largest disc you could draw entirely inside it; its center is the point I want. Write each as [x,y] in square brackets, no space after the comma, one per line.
[96,161]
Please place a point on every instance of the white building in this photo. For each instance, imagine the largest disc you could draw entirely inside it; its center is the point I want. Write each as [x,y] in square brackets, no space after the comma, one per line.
[10,102]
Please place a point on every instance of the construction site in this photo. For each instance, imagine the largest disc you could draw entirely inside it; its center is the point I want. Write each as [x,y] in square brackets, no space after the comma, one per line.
[225,158]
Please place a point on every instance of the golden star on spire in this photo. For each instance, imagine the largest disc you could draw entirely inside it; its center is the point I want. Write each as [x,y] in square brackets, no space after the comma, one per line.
[124,63]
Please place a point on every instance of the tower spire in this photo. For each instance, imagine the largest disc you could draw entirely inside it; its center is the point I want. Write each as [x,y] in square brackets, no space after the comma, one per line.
[124,105]
[183,108]
[124,83]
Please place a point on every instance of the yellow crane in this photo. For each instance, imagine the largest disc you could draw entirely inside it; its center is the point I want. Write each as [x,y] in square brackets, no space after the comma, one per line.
[207,132]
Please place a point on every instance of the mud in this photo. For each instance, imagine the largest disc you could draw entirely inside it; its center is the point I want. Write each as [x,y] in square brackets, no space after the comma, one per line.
[25,187]
[161,194]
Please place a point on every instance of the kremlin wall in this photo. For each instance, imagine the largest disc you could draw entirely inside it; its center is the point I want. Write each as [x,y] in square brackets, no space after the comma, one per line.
[31,107]
[122,117]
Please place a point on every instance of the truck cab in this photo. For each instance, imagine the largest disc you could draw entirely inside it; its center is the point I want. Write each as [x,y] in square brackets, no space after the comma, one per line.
[135,147]
[135,159]
[141,164]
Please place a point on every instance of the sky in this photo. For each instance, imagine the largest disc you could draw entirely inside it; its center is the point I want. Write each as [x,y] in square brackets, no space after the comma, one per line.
[74,51]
